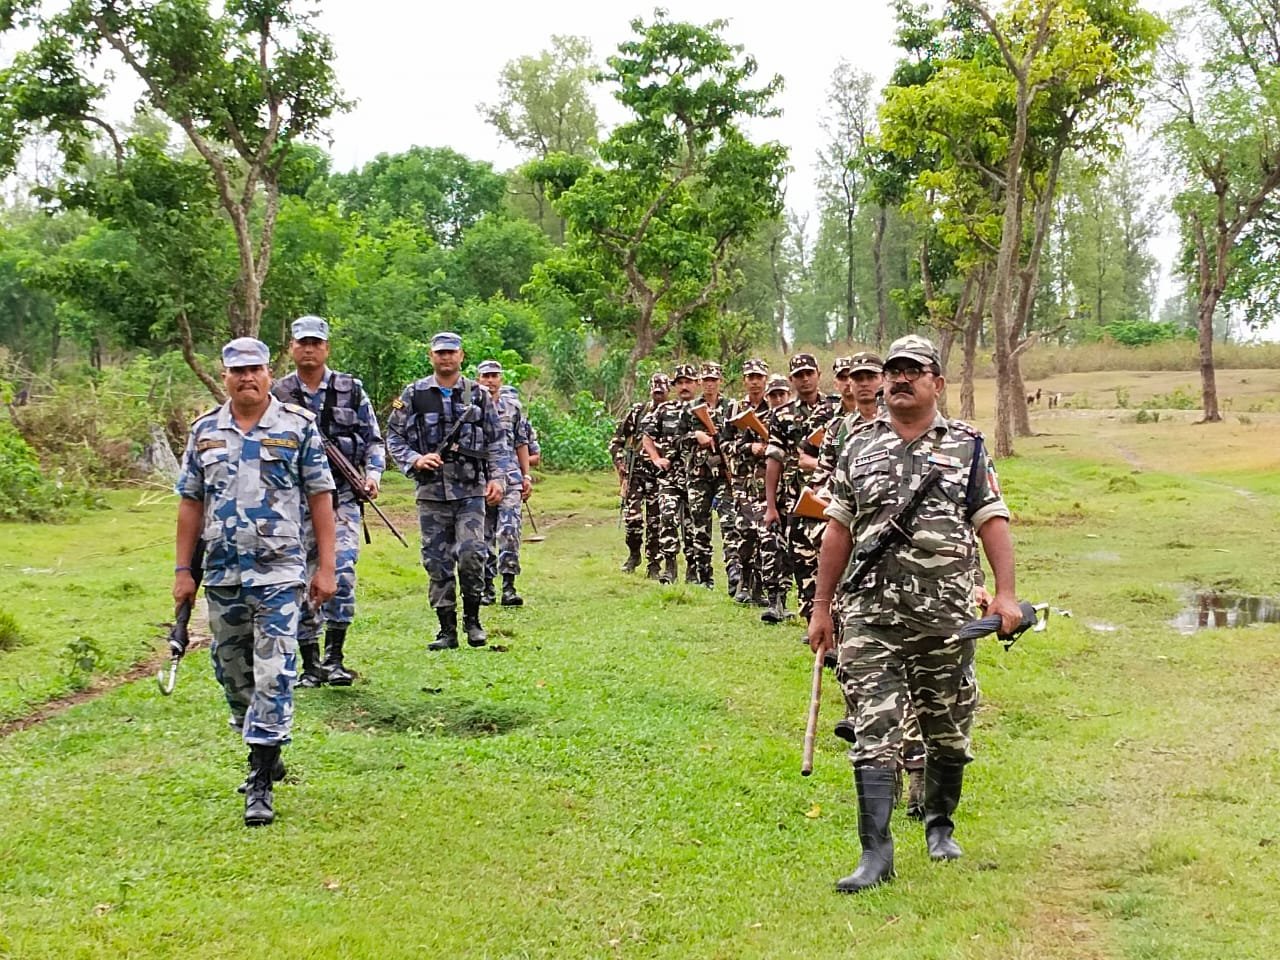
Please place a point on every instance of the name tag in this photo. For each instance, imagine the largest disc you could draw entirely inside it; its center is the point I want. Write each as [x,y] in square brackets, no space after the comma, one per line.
[870,458]
[203,445]
[287,442]
[942,460]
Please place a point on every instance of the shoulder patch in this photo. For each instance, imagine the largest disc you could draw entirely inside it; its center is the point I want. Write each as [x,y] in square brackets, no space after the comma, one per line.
[300,411]
[397,404]
[287,443]
[203,445]
[965,428]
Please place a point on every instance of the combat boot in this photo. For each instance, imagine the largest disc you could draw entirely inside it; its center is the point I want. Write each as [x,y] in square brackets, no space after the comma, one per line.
[743,593]
[509,596]
[633,558]
[447,637]
[668,574]
[487,596]
[476,637]
[733,578]
[942,783]
[312,672]
[915,793]
[846,730]
[277,772]
[338,675]
[774,613]
[654,570]
[258,801]
[875,808]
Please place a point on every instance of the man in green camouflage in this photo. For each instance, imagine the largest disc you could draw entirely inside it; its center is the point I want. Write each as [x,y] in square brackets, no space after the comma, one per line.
[747,454]
[662,438]
[639,480]
[705,479]
[899,621]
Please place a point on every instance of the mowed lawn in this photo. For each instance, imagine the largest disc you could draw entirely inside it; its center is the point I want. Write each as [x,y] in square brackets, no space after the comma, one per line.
[622,779]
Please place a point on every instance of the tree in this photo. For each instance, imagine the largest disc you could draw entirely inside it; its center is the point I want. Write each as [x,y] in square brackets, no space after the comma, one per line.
[649,234]
[244,84]
[1220,128]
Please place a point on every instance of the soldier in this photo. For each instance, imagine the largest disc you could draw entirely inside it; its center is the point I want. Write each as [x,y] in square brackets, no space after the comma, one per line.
[706,482]
[775,568]
[662,436]
[897,637]
[252,468]
[502,522]
[444,433]
[747,453]
[345,416]
[792,456]
[639,480]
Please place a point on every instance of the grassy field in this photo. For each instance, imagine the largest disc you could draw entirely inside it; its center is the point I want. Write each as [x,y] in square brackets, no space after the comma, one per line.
[623,779]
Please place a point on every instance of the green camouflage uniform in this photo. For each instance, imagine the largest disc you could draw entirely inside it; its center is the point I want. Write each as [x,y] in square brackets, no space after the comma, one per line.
[664,425]
[640,502]
[705,483]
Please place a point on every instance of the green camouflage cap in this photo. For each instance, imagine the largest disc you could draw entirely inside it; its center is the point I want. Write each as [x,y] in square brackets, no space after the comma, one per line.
[803,361]
[777,382]
[711,371]
[755,365]
[685,371]
[914,347]
[659,382]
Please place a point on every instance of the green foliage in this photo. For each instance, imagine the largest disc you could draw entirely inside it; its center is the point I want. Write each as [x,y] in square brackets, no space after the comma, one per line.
[1137,333]
[11,636]
[575,439]
[25,493]
[81,656]
[1179,398]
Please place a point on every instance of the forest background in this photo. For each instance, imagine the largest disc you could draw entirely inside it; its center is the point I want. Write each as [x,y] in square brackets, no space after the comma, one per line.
[990,195]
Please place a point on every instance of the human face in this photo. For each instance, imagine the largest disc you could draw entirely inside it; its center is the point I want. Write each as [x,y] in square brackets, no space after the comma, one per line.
[860,387]
[777,398]
[911,389]
[492,382]
[710,388]
[755,385]
[658,395]
[446,363]
[805,383]
[309,354]
[684,388]
[247,387]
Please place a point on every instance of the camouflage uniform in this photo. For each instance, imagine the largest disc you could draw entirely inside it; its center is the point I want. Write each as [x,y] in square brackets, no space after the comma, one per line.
[790,426]
[664,425]
[705,481]
[748,497]
[450,499]
[253,485]
[503,521]
[345,415]
[640,501]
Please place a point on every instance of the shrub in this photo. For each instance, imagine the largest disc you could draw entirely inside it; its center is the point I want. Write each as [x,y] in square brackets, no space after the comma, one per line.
[25,492]
[573,439]
[11,636]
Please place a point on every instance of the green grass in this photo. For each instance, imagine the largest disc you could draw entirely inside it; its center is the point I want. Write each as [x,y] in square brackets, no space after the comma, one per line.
[624,780]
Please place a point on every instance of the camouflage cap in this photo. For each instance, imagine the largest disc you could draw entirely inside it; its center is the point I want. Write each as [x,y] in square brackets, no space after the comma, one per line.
[489,366]
[310,326]
[245,352]
[711,371]
[803,361]
[446,341]
[755,365]
[685,371]
[777,382]
[866,360]
[659,383]
[914,347]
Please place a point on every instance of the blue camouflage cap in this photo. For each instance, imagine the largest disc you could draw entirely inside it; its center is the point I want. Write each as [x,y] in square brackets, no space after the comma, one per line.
[489,366]
[310,326]
[446,341]
[245,352]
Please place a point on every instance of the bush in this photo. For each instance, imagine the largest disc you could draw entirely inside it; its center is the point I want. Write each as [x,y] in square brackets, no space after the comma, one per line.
[25,492]
[576,439]
[11,636]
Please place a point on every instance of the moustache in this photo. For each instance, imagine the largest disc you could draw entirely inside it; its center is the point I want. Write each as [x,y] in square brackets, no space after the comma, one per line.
[901,388]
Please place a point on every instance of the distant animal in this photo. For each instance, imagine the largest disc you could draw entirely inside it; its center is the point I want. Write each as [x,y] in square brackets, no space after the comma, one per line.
[1037,394]
[1054,400]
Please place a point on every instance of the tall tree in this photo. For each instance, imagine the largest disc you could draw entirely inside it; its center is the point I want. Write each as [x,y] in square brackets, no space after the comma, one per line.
[649,234]
[1222,116]
[243,79]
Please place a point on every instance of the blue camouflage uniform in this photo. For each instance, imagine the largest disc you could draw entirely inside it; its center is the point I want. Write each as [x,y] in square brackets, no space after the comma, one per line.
[502,521]
[346,416]
[450,499]
[254,485]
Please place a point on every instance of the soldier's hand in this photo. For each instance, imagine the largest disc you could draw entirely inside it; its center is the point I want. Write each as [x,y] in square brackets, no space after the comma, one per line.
[981,598]
[770,517]
[1008,610]
[703,438]
[322,587]
[184,588]
[758,449]
[663,464]
[493,491]
[822,631]
[526,486]
[428,461]
[372,487]
[807,463]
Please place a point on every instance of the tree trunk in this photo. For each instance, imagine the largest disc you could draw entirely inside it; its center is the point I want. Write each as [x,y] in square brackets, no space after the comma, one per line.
[877,252]
[779,295]
[1208,378]
[848,273]
[972,332]
[946,339]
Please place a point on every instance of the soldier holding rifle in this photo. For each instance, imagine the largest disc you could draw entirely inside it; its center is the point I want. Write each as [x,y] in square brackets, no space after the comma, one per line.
[639,480]
[346,419]
[900,616]
[748,439]
[662,439]
[707,480]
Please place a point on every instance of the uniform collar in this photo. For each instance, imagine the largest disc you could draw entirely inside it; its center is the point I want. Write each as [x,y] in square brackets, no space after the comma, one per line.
[270,416]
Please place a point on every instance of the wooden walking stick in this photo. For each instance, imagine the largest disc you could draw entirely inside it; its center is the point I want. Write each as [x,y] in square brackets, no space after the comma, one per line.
[811,728]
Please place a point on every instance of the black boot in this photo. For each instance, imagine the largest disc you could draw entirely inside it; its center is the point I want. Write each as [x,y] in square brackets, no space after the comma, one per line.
[942,783]
[668,574]
[487,596]
[774,613]
[875,808]
[476,637]
[258,809]
[312,673]
[654,571]
[447,638]
[733,579]
[509,596]
[633,558]
[277,772]
[335,636]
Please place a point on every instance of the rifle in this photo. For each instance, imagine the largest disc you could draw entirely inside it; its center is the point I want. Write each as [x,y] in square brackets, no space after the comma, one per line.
[815,439]
[810,506]
[346,469]
[703,413]
[1035,617]
[749,420]
[811,728]
[178,633]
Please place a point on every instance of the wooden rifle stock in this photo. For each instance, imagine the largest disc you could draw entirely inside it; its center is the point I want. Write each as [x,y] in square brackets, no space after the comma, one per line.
[749,420]
[703,413]
[810,506]
[811,727]
[815,439]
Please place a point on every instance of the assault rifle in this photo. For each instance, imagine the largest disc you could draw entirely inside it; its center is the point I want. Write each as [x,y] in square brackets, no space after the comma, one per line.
[897,531]
[749,420]
[810,506]
[178,633]
[1035,617]
[347,470]
[815,439]
[703,413]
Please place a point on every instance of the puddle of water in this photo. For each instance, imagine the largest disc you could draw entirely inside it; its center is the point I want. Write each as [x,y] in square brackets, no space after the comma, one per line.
[1212,608]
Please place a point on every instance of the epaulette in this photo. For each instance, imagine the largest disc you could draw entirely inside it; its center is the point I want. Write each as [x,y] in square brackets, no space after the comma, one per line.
[207,413]
[300,411]
[965,428]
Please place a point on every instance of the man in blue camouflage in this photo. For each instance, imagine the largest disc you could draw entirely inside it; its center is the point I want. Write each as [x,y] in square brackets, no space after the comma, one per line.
[897,638]
[252,468]
[502,522]
[345,416]
[444,433]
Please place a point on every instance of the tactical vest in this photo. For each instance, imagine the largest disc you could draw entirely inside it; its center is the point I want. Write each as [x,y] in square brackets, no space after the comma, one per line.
[339,417]
[432,422]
